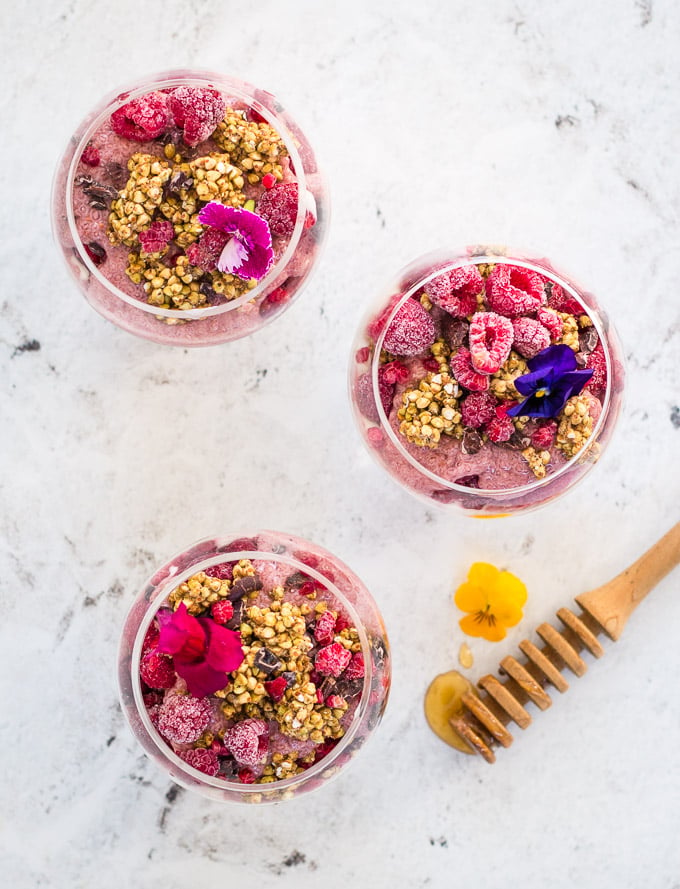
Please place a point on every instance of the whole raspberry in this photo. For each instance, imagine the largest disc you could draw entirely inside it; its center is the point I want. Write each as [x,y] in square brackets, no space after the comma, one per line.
[529,337]
[248,741]
[365,398]
[465,374]
[543,438]
[598,363]
[332,660]
[500,429]
[325,628]
[157,671]
[202,759]
[143,119]
[279,206]
[183,719]
[561,301]
[490,341]
[196,111]
[512,290]
[222,611]
[276,687]
[151,638]
[412,330]
[356,667]
[456,291]
[550,320]
[205,252]
[223,571]
[478,409]
[91,155]
[335,702]
[157,236]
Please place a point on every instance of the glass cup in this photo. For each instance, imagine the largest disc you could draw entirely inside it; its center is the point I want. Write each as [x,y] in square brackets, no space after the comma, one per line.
[311,705]
[162,296]
[410,403]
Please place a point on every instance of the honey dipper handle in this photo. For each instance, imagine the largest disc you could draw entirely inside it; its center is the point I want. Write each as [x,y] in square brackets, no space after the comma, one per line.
[612,604]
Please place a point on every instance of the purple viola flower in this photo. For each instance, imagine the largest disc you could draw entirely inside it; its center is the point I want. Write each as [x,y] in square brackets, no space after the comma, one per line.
[552,382]
[248,253]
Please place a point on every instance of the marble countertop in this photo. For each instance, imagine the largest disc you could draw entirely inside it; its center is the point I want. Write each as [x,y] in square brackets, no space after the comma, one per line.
[549,126]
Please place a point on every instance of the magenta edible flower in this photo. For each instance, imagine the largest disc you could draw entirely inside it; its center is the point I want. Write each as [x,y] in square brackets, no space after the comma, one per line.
[248,253]
[203,652]
[552,381]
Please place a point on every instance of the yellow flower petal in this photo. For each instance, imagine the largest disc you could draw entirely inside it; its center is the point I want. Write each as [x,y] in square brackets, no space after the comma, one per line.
[483,575]
[507,613]
[493,632]
[512,587]
[470,597]
[472,627]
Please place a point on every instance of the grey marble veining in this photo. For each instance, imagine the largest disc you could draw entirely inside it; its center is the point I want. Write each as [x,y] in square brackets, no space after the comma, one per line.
[550,126]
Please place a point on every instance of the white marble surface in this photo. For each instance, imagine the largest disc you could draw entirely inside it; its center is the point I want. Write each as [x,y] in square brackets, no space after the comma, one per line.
[548,125]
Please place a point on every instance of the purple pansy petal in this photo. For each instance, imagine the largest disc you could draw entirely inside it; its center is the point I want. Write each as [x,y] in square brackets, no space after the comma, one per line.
[559,359]
[553,374]
[233,256]
[224,651]
[201,679]
[529,383]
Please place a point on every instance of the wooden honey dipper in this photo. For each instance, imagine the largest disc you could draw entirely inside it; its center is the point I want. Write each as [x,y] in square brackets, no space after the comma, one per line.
[482,719]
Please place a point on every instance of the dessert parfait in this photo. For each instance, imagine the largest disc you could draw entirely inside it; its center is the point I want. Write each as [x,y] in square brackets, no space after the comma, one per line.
[189,208]
[486,380]
[253,669]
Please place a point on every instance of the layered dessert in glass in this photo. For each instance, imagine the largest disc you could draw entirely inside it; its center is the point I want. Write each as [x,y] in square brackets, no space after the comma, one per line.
[486,379]
[252,669]
[189,208]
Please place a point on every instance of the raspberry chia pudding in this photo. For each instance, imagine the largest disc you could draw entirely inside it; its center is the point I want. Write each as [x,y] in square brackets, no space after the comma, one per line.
[189,208]
[486,380]
[253,669]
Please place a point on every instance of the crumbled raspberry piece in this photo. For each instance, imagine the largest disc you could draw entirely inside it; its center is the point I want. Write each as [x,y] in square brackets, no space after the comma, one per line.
[246,776]
[512,290]
[202,759]
[143,119]
[197,111]
[465,374]
[325,628]
[183,719]
[598,363]
[269,180]
[96,252]
[279,206]
[151,639]
[395,372]
[324,749]
[248,741]
[223,571]
[551,321]
[431,365]
[490,341]
[342,622]
[91,155]
[543,438]
[412,330]
[280,295]
[319,696]
[500,429]
[561,301]
[478,409]
[205,252]
[152,699]
[222,611]
[276,298]
[468,481]
[275,688]
[456,291]
[362,355]
[529,337]
[157,671]
[366,399]
[356,667]
[332,660]
[335,702]
[157,236]
[376,437]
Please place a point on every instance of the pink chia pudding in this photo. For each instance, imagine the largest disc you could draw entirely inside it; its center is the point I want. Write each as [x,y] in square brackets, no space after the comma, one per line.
[253,669]
[485,380]
[189,208]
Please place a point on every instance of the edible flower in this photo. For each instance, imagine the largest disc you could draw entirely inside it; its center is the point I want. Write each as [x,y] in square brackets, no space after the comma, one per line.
[552,381]
[203,652]
[493,600]
[248,253]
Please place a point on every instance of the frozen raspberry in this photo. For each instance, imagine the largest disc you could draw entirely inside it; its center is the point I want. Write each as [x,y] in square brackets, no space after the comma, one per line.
[550,320]
[356,667]
[151,638]
[157,671]
[248,741]
[342,622]
[362,355]
[411,331]
[222,611]
[490,341]
[276,687]
[91,155]
[464,372]
[456,291]
[366,399]
[157,236]
[223,571]
[332,660]
[279,206]
[431,365]
[183,719]
[598,363]
[561,301]
[142,119]
[325,628]
[269,180]
[544,437]
[478,409]
[96,252]
[395,372]
[529,337]
[500,429]
[202,759]
[205,252]
[154,712]
[512,290]
[246,776]
[197,111]
[335,702]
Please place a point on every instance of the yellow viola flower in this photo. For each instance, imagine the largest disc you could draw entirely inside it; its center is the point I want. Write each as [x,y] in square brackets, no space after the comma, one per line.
[493,600]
